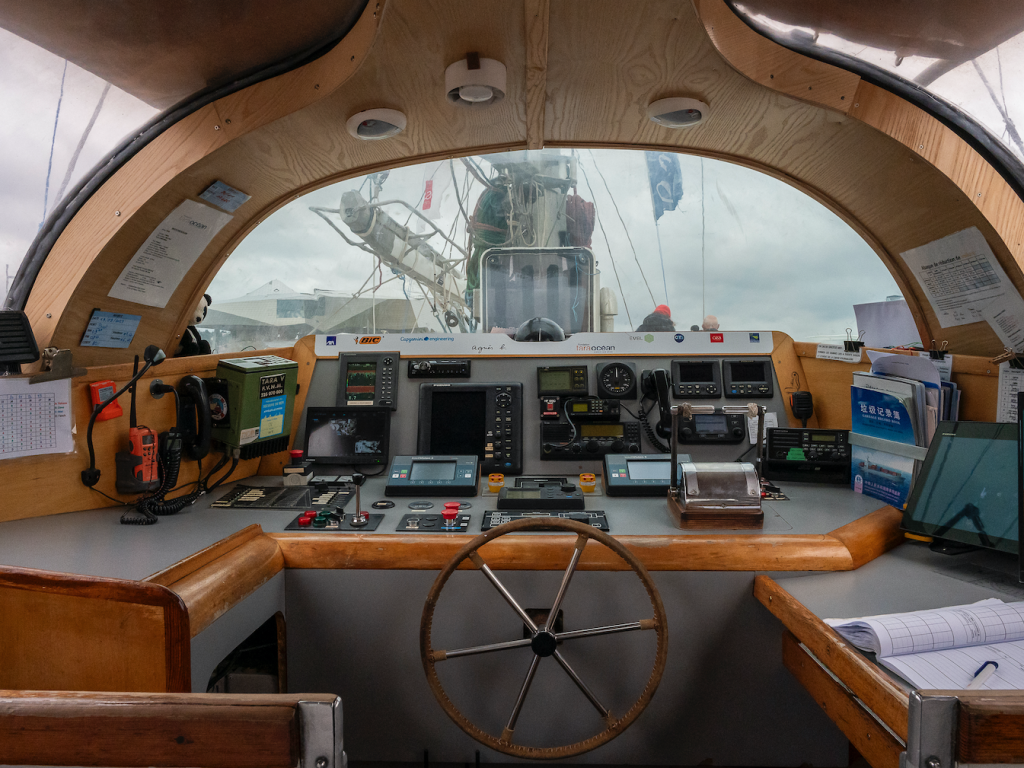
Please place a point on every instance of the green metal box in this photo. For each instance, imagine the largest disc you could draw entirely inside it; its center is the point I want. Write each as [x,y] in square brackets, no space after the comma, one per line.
[251,403]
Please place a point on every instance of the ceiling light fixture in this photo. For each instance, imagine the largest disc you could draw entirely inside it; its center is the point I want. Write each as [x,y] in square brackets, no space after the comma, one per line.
[678,112]
[374,124]
[475,82]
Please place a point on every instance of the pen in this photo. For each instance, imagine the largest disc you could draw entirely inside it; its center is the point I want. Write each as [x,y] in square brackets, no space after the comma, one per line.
[982,675]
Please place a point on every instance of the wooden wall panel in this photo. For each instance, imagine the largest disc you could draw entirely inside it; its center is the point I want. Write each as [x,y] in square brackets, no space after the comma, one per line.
[29,487]
[66,632]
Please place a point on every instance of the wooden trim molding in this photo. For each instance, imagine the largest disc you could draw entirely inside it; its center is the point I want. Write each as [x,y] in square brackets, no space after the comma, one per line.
[865,733]
[866,681]
[57,615]
[990,726]
[138,729]
[844,549]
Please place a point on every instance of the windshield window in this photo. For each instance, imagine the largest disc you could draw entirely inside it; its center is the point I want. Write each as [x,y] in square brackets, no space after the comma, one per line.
[595,240]
[59,121]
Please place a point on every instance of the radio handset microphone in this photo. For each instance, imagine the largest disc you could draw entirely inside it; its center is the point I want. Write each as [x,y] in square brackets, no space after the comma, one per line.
[657,384]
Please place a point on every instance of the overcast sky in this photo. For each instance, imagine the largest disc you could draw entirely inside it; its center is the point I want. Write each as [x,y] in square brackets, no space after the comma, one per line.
[765,245]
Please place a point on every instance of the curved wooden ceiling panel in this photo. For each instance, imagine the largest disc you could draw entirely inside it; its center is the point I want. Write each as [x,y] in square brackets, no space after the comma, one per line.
[593,67]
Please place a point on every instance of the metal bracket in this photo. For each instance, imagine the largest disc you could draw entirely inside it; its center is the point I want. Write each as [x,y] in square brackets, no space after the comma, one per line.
[320,735]
[57,364]
[931,731]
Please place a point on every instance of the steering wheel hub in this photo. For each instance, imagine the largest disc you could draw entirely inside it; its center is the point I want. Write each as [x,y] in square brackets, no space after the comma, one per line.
[544,643]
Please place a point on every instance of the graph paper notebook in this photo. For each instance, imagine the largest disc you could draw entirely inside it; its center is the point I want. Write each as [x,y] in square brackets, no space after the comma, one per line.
[943,648]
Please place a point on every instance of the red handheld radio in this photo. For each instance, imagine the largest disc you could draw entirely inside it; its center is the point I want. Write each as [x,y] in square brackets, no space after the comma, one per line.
[138,467]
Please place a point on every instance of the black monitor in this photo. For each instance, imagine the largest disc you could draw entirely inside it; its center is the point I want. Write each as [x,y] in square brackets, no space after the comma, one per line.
[967,488]
[353,436]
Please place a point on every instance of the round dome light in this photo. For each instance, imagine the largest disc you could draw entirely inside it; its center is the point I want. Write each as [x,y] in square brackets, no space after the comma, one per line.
[678,112]
[374,124]
[475,82]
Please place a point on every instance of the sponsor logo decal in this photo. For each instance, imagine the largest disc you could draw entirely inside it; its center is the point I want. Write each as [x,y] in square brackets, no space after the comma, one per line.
[717,338]
[368,340]
[755,338]
[679,338]
[332,341]
[595,347]
[409,339]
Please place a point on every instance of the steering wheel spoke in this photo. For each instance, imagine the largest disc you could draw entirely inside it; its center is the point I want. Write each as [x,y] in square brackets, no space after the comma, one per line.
[544,641]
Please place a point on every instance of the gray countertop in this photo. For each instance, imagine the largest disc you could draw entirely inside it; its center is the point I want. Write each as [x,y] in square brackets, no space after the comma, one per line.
[94,543]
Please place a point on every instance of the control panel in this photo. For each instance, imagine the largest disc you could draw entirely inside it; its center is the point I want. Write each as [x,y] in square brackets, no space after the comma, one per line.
[590,440]
[747,378]
[432,476]
[486,419]
[542,496]
[812,455]
[713,428]
[439,369]
[562,380]
[639,474]
[696,379]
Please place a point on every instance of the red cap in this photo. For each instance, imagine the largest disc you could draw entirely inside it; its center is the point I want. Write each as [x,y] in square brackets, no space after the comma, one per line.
[663,309]
[451,510]
[295,453]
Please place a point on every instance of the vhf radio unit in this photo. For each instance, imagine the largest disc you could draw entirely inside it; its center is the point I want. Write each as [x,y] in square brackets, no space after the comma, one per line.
[714,427]
[808,455]
[593,440]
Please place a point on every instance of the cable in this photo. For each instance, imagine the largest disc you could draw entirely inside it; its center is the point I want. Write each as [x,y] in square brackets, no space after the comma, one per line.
[380,471]
[607,245]
[624,227]
[651,436]
[101,493]
[749,449]
[703,308]
[458,198]
[53,142]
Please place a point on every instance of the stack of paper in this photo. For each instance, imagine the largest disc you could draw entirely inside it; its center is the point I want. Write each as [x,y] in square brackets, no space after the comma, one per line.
[944,648]
[895,409]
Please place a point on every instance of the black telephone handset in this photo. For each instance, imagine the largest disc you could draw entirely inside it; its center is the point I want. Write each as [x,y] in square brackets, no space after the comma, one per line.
[657,384]
[194,417]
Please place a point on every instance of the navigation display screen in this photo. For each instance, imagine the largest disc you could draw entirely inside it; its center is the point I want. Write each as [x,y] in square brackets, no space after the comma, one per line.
[692,373]
[748,371]
[348,436]
[967,489]
[360,382]
[650,470]
[457,423]
[709,424]
[432,470]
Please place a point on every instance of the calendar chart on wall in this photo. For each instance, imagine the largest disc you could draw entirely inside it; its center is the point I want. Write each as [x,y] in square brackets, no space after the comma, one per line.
[35,418]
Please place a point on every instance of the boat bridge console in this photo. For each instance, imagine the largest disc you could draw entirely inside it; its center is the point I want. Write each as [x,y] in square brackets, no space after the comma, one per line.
[444,382]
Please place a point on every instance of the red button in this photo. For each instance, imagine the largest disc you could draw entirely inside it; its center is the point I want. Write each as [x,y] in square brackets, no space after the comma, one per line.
[295,454]
[309,513]
[305,522]
[451,510]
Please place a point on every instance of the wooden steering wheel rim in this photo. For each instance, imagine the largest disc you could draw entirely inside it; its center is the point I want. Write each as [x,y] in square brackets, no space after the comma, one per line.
[615,725]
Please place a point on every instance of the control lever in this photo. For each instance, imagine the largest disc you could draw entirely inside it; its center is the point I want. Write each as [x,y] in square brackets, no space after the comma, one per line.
[359,517]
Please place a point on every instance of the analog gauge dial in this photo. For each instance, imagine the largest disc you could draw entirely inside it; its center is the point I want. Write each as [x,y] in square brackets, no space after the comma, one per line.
[617,380]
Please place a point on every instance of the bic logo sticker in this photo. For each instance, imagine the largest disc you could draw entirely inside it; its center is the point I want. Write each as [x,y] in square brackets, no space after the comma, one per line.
[368,340]
[332,341]
[717,338]
[755,338]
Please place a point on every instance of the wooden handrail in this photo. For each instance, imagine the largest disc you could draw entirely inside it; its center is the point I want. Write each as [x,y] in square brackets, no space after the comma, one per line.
[161,729]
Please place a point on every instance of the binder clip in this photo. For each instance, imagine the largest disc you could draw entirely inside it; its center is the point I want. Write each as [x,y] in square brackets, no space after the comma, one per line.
[1009,356]
[851,344]
[938,352]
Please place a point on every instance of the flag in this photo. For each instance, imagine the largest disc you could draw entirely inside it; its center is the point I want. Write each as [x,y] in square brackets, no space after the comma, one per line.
[666,181]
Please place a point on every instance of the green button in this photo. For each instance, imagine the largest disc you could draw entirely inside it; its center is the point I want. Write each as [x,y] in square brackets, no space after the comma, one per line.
[796,454]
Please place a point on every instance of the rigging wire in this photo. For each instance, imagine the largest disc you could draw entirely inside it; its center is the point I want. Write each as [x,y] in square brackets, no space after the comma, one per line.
[661,258]
[1011,129]
[81,142]
[600,224]
[53,142]
[703,309]
[624,227]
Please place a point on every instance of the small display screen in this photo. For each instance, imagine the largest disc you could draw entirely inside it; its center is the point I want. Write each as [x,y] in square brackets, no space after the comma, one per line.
[823,438]
[519,493]
[457,425]
[432,470]
[601,430]
[650,470]
[347,436]
[360,382]
[709,423]
[580,407]
[554,381]
[747,371]
[692,373]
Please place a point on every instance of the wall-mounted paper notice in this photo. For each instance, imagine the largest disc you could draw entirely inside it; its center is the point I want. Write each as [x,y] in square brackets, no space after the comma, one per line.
[959,275]
[836,352]
[159,265]
[1011,381]
[1006,316]
[34,418]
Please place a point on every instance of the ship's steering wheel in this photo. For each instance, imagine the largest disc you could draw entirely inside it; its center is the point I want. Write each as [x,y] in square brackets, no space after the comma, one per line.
[544,640]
